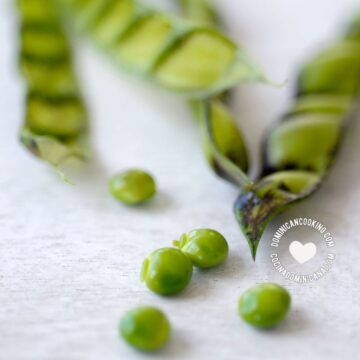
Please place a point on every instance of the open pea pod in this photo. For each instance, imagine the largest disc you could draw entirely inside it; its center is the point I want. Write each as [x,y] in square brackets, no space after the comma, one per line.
[55,125]
[299,150]
[179,55]
[221,139]
[223,142]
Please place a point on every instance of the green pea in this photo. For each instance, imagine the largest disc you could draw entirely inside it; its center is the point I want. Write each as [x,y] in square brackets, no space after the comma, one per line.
[205,247]
[306,141]
[264,305]
[145,328]
[132,187]
[335,70]
[167,271]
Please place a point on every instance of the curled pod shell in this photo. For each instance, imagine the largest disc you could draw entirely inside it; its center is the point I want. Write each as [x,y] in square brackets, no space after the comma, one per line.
[299,150]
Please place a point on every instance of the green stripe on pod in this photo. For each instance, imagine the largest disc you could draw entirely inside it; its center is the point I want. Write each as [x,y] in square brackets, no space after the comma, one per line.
[195,61]
[179,55]
[62,117]
[55,125]
[336,104]
[112,21]
[300,149]
[49,78]
[43,41]
[88,12]
[36,11]
[138,47]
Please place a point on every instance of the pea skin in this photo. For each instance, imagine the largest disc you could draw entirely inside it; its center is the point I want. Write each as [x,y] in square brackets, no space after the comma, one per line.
[132,187]
[264,305]
[145,328]
[205,247]
[166,271]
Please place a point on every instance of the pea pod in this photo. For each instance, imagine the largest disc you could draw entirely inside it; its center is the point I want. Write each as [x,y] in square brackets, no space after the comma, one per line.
[222,140]
[299,150]
[55,123]
[179,55]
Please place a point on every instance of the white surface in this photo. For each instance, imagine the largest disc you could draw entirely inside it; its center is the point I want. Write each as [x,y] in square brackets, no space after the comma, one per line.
[70,256]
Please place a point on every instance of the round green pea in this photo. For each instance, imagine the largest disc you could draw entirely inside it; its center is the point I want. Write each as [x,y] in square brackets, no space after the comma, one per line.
[132,187]
[166,271]
[145,328]
[264,305]
[205,247]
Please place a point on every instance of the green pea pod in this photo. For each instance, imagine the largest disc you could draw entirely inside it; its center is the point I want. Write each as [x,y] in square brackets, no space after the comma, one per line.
[55,123]
[300,149]
[222,141]
[180,55]
[224,145]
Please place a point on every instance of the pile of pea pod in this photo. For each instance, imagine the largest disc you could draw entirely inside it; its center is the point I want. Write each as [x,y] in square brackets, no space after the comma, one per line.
[195,59]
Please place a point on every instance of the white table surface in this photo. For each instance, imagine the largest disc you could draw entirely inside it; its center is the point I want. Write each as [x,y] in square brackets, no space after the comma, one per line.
[70,255]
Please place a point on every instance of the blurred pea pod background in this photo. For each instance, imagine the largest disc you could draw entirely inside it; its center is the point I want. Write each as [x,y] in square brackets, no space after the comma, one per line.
[68,252]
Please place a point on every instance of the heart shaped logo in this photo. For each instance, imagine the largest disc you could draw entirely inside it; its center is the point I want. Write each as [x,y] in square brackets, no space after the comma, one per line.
[302,253]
